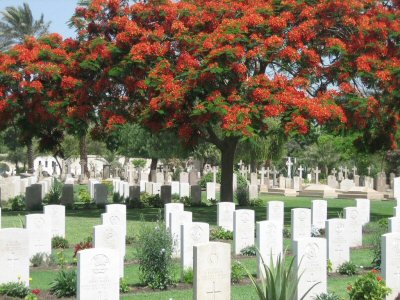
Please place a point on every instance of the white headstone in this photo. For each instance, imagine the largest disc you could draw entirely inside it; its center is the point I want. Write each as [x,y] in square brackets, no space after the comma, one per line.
[184,189]
[142,184]
[176,219]
[211,187]
[338,242]
[253,191]
[149,188]
[14,255]
[113,219]
[118,215]
[39,230]
[192,234]
[269,244]
[56,215]
[171,207]
[319,213]
[396,187]
[353,216]
[394,225]
[212,271]
[98,274]
[243,229]
[310,264]
[301,223]
[363,206]
[396,211]
[225,215]
[390,266]
[175,187]
[275,212]
[184,177]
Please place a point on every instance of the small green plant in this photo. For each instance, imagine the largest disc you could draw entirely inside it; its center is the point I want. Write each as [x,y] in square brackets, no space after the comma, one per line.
[327,296]
[39,259]
[123,285]
[175,198]
[249,251]
[54,195]
[286,233]
[329,266]
[64,285]
[58,242]
[117,198]
[376,242]
[17,203]
[60,259]
[84,196]
[187,276]
[256,202]
[14,289]
[220,233]
[347,268]
[187,201]
[237,272]
[242,195]
[154,253]
[369,286]
[139,163]
[147,200]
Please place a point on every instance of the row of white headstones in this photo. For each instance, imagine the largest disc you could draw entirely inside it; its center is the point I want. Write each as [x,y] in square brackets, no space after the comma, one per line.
[99,269]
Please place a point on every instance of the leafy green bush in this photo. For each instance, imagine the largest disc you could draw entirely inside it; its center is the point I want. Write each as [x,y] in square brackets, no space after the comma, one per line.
[256,202]
[382,227]
[237,272]
[58,242]
[84,196]
[147,201]
[242,195]
[117,198]
[209,177]
[54,195]
[327,296]
[39,259]
[109,186]
[64,285]
[17,203]
[154,253]
[14,289]
[369,286]
[187,201]
[286,233]
[220,233]
[347,268]
[123,285]
[175,198]
[249,251]
[139,163]
[187,276]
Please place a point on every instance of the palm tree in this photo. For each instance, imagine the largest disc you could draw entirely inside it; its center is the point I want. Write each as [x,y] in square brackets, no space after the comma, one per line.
[17,23]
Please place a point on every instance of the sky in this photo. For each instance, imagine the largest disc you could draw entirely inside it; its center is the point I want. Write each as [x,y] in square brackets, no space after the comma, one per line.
[56,11]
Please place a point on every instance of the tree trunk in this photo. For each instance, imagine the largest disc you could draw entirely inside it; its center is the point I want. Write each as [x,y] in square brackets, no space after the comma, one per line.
[83,156]
[253,166]
[228,148]
[153,167]
[30,157]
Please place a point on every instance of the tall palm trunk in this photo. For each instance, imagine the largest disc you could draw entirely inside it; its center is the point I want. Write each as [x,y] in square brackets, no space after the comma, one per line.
[83,156]
[30,157]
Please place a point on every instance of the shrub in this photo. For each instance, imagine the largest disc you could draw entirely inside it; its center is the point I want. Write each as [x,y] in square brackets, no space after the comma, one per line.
[256,202]
[123,285]
[64,285]
[39,259]
[209,177]
[242,195]
[117,198]
[54,195]
[286,233]
[84,196]
[237,272]
[327,296]
[220,233]
[139,163]
[154,253]
[147,200]
[376,242]
[85,244]
[109,186]
[14,289]
[58,242]
[187,201]
[249,251]
[17,203]
[187,276]
[175,198]
[347,268]
[369,286]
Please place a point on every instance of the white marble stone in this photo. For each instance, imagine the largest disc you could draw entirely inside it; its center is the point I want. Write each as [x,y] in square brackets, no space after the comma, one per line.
[269,243]
[149,188]
[310,266]
[390,266]
[394,224]
[14,255]
[39,230]
[212,271]
[98,274]
[337,232]
[225,215]
[184,177]
[118,215]
[184,189]
[364,207]
[253,191]
[56,215]
[396,187]
[243,229]
[142,184]
[354,218]
[171,207]
[276,211]
[176,219]
[210,190]
[175,187]
[396,211]
[192,234]
[301,223]
[115,219]
[319,213]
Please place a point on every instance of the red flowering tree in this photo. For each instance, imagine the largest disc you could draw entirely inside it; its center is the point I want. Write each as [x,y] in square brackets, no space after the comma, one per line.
[221,70]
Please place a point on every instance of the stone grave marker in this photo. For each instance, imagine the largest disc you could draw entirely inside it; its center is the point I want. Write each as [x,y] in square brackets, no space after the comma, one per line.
[195,194]
[346,185]
[363,206]
[337,240]
[111,219]
[149,188]
[175,187]
[193,177]
[67,195]
[100,194]
[394,225]
[184,189]
[301,223]
[212,271]
[310,264]
[243,229]
[253,179]
[14,258]
[297,183]
[225,215]
[275,212]
[166,194]
[211,188]
[33,197]
[56,215]
[354,219]
[253,191]
[396,211]
[319,213]
[192,234]
[117,214]
[39,230]
[184,177]
[332,182]
[176,219]
[160,177]
[134,195]
[98,274]
[396,187]
[390,266]
[282,182]
[171,207]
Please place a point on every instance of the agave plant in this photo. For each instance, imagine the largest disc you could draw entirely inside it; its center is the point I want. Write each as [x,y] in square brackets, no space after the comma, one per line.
[279,282]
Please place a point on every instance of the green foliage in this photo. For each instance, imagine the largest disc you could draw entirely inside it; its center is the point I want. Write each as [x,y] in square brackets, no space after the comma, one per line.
[109,186]
[249,251]
[14,289]
[58,242]
[4,168]
[139,163]
[17,203]
[147,201]
[54,195]
[123,285]
[347,268]
[187,201]
[209,177]
[369,286]
[237,272]
[154,253]
[220,233]
[286,233]
[242,195]
[117,198]
[280,282]
[187,276]
[327,296]
[39,259]
[64,285]
[256,202]
[84,196]
[329,266]
[376,242]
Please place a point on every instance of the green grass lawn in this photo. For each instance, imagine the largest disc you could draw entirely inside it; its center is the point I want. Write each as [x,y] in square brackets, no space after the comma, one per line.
[79,225]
